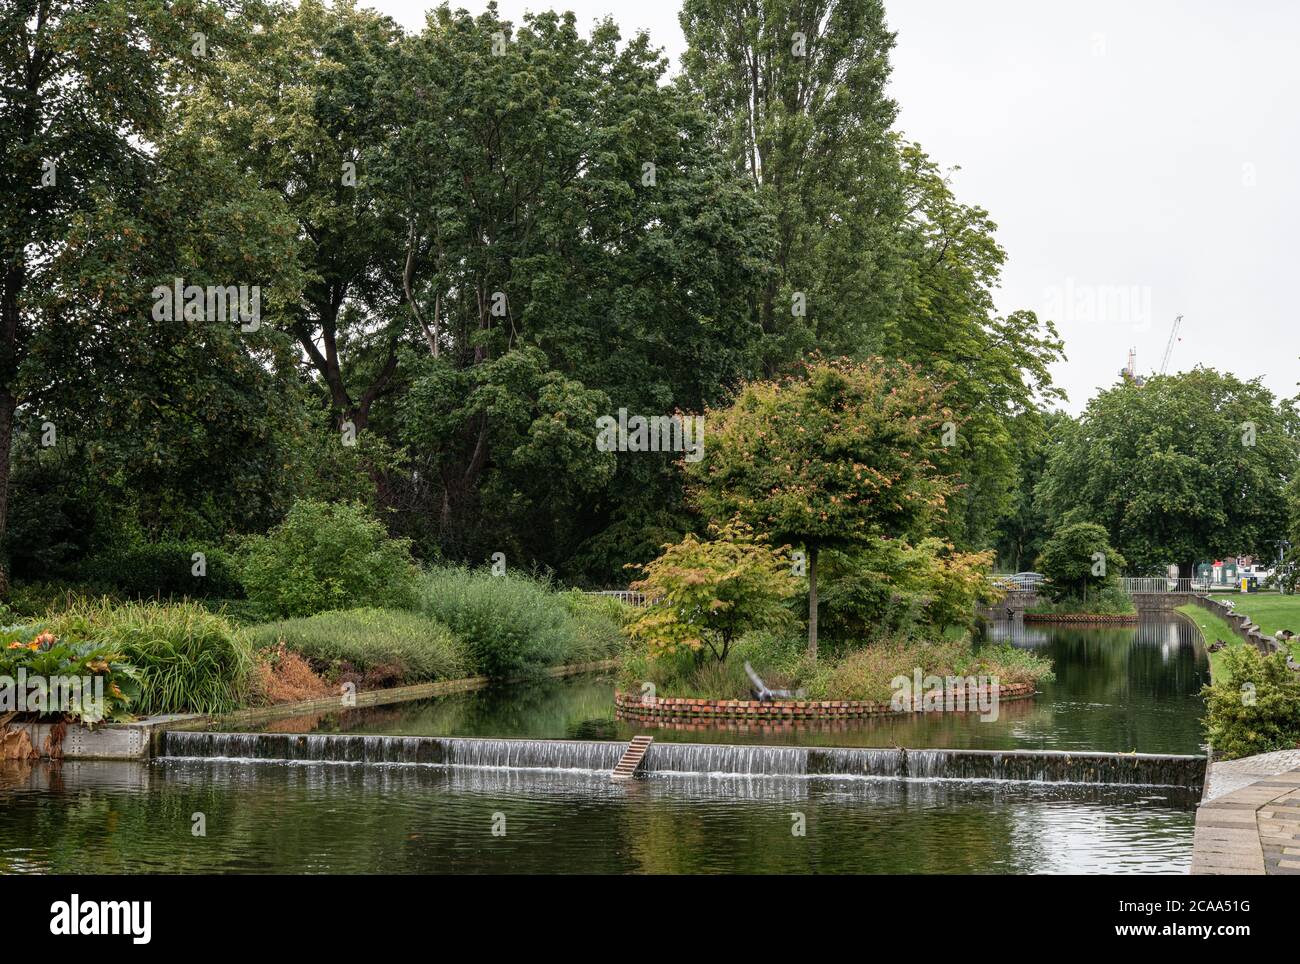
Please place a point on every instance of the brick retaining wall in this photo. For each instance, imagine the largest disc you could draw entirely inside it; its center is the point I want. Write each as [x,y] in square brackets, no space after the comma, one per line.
[675,709]
[1122,618]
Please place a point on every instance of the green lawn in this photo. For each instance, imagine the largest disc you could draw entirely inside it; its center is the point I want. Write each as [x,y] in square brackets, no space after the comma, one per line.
[1272,611]
[1212,627]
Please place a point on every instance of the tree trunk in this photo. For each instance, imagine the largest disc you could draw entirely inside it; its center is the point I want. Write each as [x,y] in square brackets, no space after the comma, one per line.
[812,602]
[7,406]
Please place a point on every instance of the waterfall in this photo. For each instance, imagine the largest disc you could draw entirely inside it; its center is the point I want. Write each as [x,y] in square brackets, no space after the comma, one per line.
[662,758]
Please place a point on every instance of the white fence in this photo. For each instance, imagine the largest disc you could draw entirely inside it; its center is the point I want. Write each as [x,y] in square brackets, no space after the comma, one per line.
[1133,585]
[1017,583]
[626,596]
[1136,585]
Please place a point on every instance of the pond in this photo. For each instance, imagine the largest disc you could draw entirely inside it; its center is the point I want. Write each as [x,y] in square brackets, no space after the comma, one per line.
[284,818]
[1116,689]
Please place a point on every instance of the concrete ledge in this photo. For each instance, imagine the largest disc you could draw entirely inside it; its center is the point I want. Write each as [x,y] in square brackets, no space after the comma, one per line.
[108,741]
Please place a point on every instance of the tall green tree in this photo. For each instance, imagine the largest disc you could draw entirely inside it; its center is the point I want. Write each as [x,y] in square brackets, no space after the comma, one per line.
[299,111]
[1024,529]
[874,253]
[86,91]
[566,218]
[796,90]
[1184,468]
[834,458]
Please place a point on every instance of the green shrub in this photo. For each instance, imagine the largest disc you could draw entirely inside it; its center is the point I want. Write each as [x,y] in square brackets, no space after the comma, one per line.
[41,654]
[513,624]
[1110,600]
[598,623]
[165,569]
[1253,706]
[190,660]
[327,557]
[387,646]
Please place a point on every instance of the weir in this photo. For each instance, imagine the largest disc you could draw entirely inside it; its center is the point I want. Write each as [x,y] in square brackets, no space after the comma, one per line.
[1047,766]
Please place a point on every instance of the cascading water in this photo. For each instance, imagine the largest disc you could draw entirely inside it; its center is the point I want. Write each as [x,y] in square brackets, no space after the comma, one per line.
[697,758]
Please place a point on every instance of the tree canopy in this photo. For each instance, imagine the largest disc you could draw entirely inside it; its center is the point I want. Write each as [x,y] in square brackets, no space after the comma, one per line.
[1184,468]
[831,459]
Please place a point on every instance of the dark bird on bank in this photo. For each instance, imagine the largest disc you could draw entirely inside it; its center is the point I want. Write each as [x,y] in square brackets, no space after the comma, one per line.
[1215,646]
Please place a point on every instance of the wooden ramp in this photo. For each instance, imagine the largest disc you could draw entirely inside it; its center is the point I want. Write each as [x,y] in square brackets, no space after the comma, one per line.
[632,758]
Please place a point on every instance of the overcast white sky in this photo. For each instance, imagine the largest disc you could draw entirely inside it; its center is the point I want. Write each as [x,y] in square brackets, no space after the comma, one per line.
[1139,158]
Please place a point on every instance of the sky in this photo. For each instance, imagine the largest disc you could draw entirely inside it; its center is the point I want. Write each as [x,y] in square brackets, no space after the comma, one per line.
[1139,159]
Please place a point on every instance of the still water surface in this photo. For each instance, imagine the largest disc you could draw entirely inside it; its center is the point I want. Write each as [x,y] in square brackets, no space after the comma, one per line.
[1116,689]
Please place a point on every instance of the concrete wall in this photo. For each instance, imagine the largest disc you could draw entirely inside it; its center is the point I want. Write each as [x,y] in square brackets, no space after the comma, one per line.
[1239,623]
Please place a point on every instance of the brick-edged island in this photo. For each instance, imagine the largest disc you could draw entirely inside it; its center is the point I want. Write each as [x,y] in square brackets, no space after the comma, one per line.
[676,709]
[1123,619]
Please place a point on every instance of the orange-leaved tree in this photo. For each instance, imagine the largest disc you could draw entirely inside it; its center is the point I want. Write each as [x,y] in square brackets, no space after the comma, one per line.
[707,593]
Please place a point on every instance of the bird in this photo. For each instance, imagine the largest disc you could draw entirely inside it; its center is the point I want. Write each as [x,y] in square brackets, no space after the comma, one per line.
[1217,645]
[1291,664]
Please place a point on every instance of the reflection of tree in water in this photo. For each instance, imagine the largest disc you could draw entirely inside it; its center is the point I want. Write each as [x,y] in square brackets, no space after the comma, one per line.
[129,817]
[1117,688]
[579,707]
[1013,631]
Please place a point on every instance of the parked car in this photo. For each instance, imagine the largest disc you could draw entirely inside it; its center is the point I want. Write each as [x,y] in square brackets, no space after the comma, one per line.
[1020,582]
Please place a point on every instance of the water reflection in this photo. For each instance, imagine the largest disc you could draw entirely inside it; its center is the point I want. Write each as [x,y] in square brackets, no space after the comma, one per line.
[1117,688]
[136,818]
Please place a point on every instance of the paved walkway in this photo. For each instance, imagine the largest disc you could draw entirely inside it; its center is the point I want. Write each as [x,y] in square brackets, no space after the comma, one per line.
[1249,819]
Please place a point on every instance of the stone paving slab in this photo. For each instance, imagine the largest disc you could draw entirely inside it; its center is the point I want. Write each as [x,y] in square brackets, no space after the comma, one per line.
[1232,775]
[1249,820]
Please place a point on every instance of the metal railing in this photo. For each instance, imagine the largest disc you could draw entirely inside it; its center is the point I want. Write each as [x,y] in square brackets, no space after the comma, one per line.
[1017,583]
[1133,585]
[1139,585]
[626,596]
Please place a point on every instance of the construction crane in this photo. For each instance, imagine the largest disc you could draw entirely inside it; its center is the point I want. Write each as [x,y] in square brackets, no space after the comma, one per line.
[1129,372]
[1169,347]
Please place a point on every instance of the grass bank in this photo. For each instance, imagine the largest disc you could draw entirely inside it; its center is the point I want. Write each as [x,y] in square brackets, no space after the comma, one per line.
[1212,627]
[464,623]
[370,647]
[1271,611]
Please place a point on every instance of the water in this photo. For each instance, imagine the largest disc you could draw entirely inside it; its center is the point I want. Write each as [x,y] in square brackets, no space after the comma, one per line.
[81,817]
[1117,690]
[1048,766]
